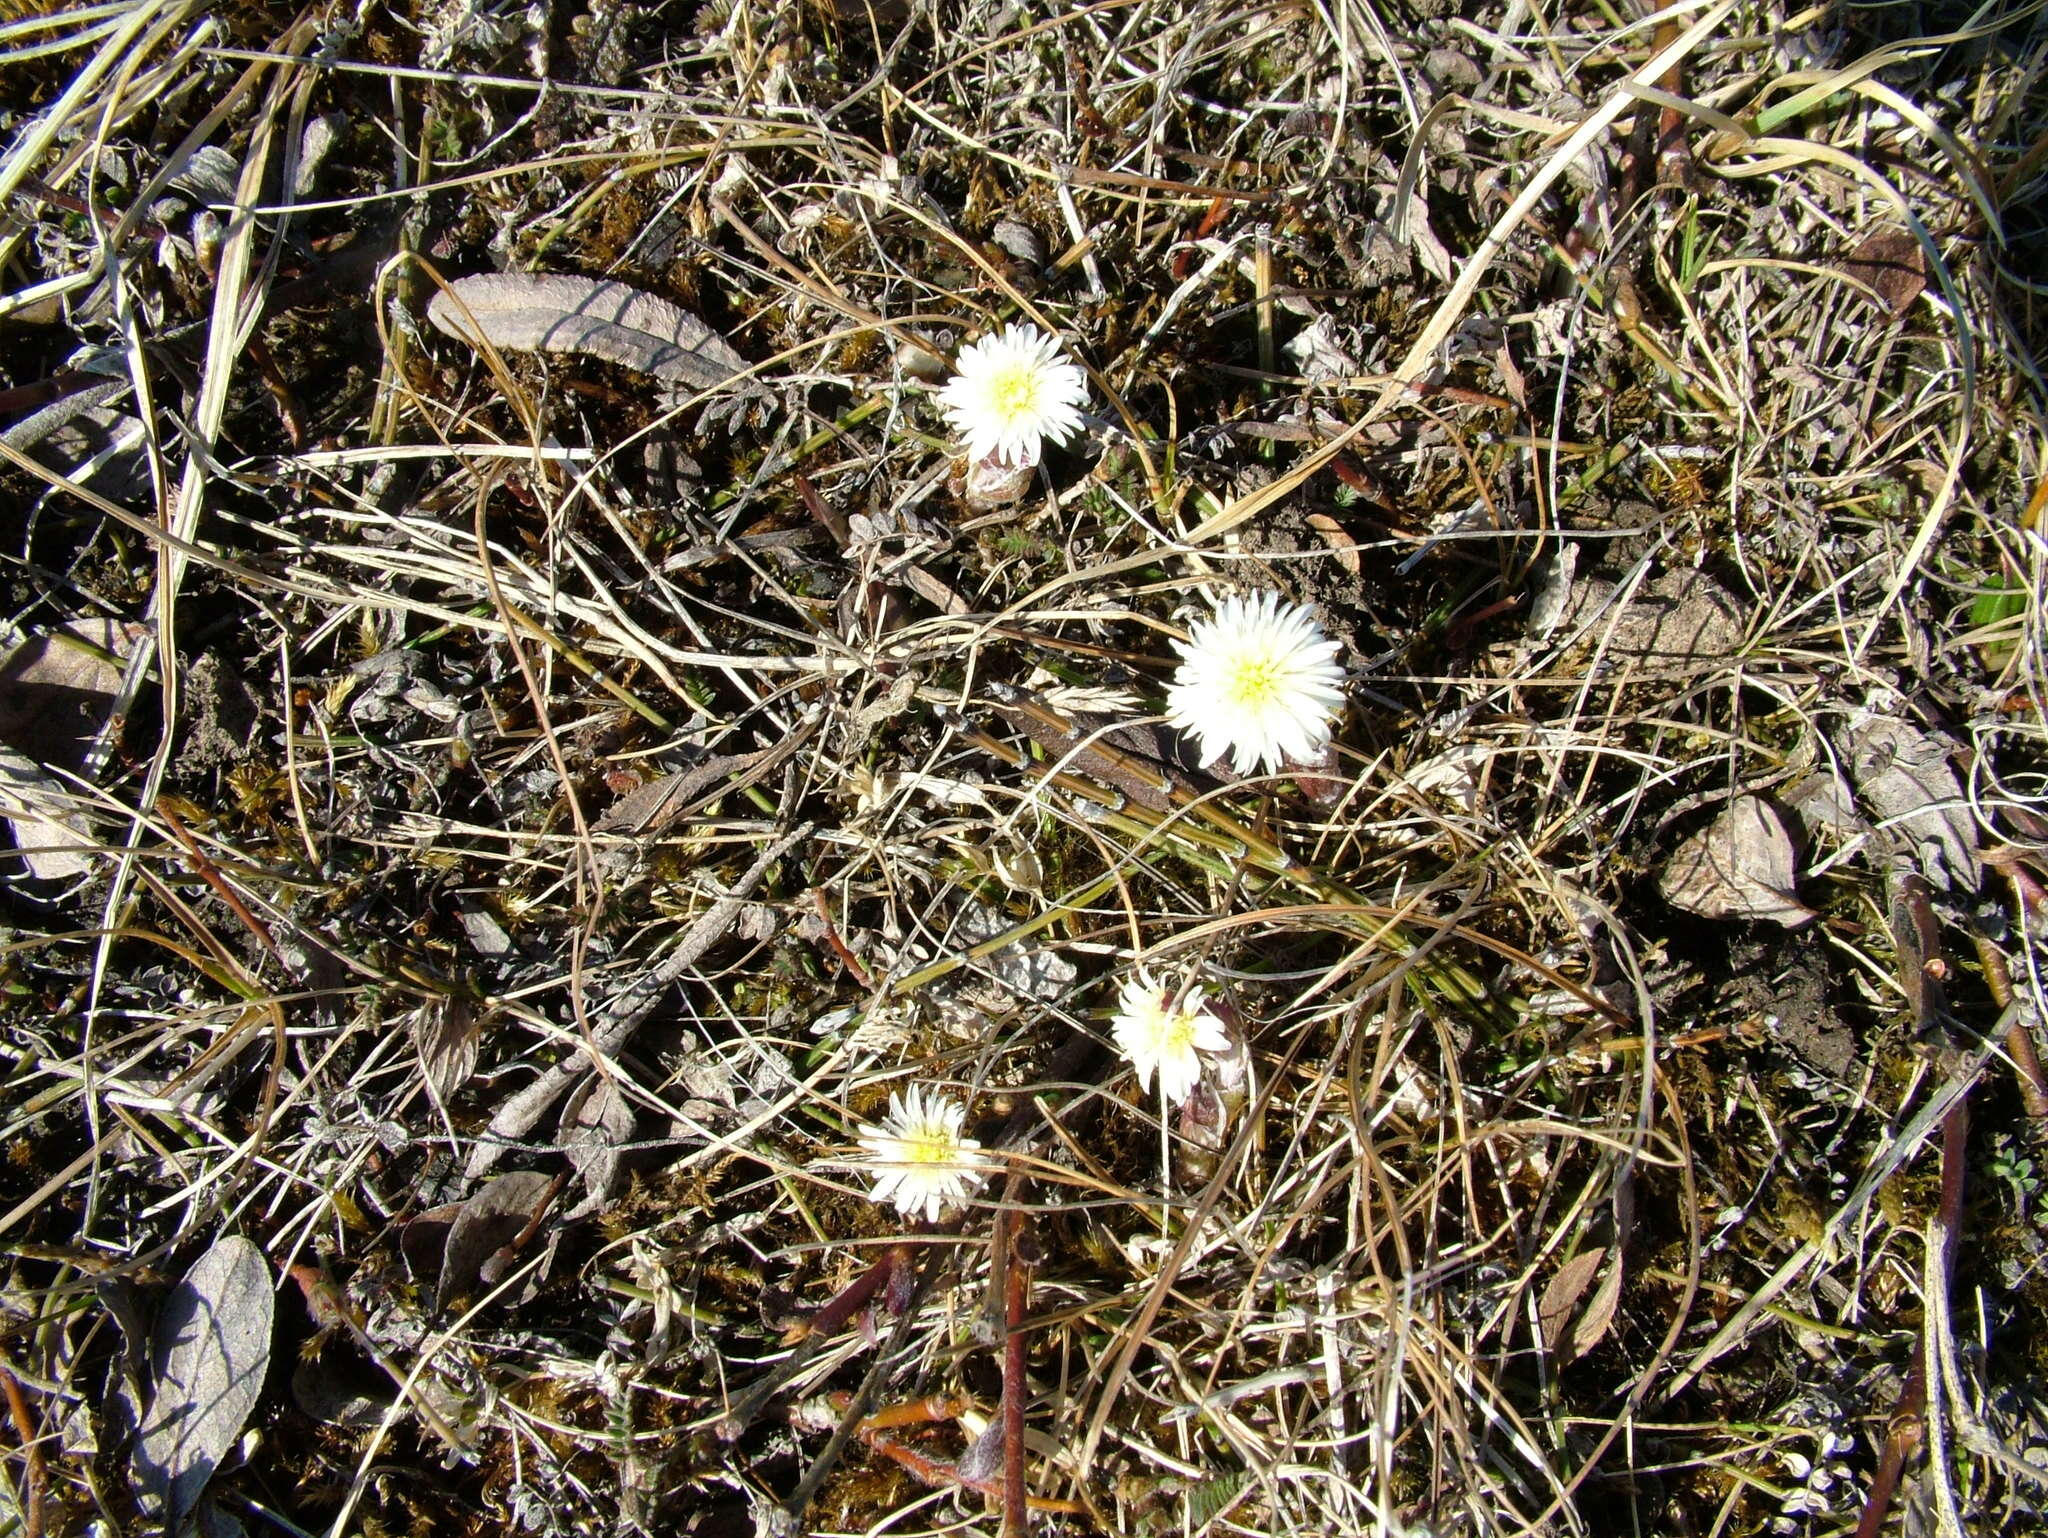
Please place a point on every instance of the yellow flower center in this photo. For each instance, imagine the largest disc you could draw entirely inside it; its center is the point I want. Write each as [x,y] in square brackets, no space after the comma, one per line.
[1254,682]
[1014,393]
[927,1148]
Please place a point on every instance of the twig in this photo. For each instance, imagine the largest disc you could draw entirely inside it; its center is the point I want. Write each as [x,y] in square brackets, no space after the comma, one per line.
[1016,1297]
[31,1452]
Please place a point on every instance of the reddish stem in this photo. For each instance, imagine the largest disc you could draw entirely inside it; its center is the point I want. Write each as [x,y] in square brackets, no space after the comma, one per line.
[31,1452]
[829,1319]
[1016,1295]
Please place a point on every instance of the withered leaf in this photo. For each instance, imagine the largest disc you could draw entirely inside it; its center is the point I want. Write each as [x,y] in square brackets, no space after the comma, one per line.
[1892,262]
[1739,866]
[503,1209]
[1681,622]
[1560,1302]
[444,1033]
[537,312]
[208,1358]
[596,1121]
[651,807]
[57,687]
[338,1397]
[49,833]
[1905,781]
[424,1241]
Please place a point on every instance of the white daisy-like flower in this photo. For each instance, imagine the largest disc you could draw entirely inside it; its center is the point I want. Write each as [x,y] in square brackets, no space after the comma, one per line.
[1155,1031]
[918,1157]
[1258,680]
[1014,390]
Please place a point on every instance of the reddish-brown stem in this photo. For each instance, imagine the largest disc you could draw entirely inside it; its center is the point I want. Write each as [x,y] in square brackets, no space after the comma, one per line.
[916,1412]
[211,875]
[829,1319]
[846,957]
[2019,1041]
[1903,1439]
[1016,1297]
[31,1452]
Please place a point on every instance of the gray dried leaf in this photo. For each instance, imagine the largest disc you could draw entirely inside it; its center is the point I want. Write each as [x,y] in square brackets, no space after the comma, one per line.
[40,814]
[1021,241]
[533,312]
[208,1358]
[1739,867]
[1035,972]
[334,1398]
[444,1033]
[57,687]
[502,1210]
[597,1121]
[1905,781]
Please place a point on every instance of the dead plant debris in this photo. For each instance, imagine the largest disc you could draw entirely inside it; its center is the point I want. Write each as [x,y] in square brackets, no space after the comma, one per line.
[540,779]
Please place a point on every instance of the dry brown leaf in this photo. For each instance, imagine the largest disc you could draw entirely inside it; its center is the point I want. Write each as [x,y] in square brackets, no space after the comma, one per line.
[1565,1289]
[534,312]
[444,1033]
[1739,867]
[1598,1319]
[651,807]
[503,1209]
[423,1242]
[596,1121]
[1341,544]
[1892,262]
[1905,781]
[208,1358]
[1560,1302]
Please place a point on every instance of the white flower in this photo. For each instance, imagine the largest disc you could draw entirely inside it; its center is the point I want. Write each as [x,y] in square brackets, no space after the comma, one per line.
[918,1157]
[1259,681]
[1154,1031]
[1012,391]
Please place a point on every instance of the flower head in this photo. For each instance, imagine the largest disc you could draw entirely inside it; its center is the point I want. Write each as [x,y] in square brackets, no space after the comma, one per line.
[1258,680]
[1014,390]
[1154,1030]
[918,1157]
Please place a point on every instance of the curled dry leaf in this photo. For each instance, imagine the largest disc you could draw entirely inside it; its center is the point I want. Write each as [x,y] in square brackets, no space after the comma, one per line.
[534,312]
[1905,781]
[597,1121]
[1738,867]
[444,1033]
[208,1358]
[1572,1338]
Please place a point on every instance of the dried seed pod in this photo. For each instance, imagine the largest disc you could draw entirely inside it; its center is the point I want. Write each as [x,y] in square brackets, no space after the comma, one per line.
[989,483]
[925,362]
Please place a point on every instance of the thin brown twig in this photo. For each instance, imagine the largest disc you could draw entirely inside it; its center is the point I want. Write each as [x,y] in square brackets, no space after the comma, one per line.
[31,1452]
[1016,1300]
